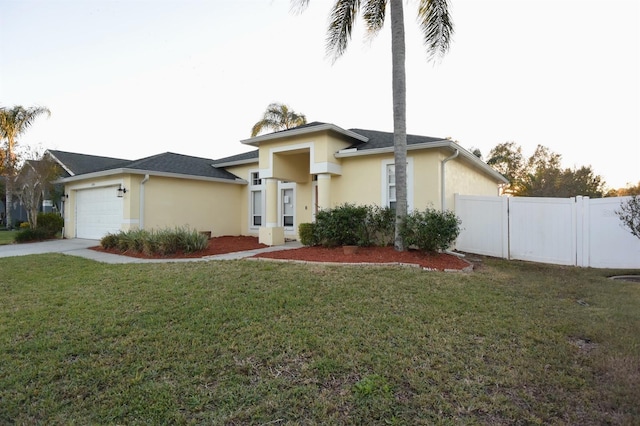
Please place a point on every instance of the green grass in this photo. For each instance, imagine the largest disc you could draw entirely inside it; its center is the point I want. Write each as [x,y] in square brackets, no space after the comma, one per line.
[242,342]
[7,237]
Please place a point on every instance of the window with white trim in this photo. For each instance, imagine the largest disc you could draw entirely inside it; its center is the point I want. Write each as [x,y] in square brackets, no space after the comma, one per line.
[256,200]
[391,186]
[388,183]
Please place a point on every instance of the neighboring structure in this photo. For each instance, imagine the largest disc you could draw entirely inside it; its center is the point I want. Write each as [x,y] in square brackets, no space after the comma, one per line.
[268,191]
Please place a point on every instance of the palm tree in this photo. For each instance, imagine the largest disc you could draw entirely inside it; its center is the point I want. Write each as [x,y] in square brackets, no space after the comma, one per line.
[278,117]
[14,122]
[437,28]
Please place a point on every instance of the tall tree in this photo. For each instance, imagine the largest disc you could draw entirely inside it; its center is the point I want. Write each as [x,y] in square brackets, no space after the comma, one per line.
[542,175]
[34,181]
[278,117]
[437,28]
[13,123]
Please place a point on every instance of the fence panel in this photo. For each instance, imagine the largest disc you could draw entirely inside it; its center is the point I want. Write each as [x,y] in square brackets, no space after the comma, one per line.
[610,245]
[543,230]
[566,231]
[484,228]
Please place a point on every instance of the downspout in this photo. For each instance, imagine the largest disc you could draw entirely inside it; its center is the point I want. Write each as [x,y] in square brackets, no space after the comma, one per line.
[141,221]
[442,179]
[443,195]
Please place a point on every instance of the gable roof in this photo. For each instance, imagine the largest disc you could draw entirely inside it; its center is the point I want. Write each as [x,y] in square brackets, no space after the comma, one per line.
[76,164]
[82,166]
[235,160]
[377,140]
[312,127]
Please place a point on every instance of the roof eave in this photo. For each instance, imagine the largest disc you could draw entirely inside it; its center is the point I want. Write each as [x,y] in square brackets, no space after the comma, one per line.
[303,131]
[120,171]
[445,143]
[235,163]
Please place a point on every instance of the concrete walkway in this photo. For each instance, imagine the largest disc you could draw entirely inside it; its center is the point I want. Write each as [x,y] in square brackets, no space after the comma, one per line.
[80,247]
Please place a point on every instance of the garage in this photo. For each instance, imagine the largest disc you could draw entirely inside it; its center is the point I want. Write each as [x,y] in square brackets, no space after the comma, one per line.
[98,212]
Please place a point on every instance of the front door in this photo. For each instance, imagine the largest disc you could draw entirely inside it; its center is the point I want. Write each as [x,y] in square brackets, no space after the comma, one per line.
[288,216]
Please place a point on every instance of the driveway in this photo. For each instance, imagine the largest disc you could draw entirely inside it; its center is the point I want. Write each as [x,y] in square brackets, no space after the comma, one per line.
[73,246]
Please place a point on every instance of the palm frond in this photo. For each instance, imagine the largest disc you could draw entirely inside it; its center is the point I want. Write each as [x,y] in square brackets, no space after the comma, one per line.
[436,26]
[278,117]
[374,14]
[341,20]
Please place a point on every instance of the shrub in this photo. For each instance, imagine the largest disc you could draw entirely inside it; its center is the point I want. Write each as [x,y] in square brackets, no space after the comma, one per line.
[164,241]
[109,241]
[51,222]
[348,224]
[342,226]
[431,230]
[307,232]
[29,234]
[192,240]
[379,226]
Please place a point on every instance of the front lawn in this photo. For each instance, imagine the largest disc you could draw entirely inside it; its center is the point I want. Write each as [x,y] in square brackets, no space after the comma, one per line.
[7,237]
[256,342]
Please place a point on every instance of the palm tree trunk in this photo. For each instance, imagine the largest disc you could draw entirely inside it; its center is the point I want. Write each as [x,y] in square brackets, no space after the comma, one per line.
[399,116]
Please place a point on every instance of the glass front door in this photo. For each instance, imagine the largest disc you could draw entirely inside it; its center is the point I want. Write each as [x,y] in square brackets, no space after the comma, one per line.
[287,209]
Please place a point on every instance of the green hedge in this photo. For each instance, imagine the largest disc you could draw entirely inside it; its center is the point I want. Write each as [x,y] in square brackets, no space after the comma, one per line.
[370,225]
[163,241]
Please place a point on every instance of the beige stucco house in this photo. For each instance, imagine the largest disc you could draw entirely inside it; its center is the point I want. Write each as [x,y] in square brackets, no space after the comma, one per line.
[268,191]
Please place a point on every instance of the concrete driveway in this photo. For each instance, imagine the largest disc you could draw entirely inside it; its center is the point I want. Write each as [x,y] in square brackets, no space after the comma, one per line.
[73,247]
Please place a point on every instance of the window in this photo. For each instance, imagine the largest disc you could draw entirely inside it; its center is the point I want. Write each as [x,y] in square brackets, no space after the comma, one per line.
[256,208]
[255,179]
[391,186]
[388,183]
[256,200]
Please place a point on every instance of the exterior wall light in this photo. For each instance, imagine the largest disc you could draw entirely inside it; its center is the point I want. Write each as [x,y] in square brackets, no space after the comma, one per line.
[121,191]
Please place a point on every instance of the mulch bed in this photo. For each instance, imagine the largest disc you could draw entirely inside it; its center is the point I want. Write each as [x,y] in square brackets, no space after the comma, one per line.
[365,255]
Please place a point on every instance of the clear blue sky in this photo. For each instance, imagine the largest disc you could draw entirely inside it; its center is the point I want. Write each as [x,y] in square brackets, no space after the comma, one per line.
[141,77]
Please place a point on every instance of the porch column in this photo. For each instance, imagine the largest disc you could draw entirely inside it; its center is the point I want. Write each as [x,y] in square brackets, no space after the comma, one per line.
[271,234]
[324,191]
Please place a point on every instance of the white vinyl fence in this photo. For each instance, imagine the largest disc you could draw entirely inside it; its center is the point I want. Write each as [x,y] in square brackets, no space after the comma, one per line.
[566,231]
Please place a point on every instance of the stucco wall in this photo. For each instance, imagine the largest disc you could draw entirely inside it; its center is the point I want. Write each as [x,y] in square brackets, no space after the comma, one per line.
[201,205]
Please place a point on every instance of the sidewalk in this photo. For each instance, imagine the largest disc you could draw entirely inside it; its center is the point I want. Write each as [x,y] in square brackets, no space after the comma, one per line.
[80,247]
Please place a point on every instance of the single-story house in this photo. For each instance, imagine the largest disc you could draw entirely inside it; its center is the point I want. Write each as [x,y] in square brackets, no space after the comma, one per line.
[266,192]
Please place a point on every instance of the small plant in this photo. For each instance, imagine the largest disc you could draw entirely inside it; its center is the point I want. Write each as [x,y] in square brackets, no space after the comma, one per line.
[341,226]
[27,234]
[192,240]
[629,215]
[25,225]
[307,232]
[431,230]
[109,241]
[163,242]
[51,222]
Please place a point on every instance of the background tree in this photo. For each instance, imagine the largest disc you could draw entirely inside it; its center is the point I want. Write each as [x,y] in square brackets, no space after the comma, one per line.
[622,192]
[278,117]
[436,26]
[542,175]
[33,182]
[629,214]
[14,122]
[507,159]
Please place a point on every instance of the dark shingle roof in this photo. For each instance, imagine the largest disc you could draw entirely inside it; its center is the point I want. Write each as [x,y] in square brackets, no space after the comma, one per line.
[251,155]
[379,140]
[79,164]
[170,162]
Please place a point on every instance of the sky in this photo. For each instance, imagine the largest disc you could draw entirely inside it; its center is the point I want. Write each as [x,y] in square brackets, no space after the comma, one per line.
[135,78]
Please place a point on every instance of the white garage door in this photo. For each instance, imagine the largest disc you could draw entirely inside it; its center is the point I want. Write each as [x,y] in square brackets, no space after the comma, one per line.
[98,212]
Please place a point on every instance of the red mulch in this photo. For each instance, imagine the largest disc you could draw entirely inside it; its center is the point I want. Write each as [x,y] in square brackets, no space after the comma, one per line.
[229,244]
